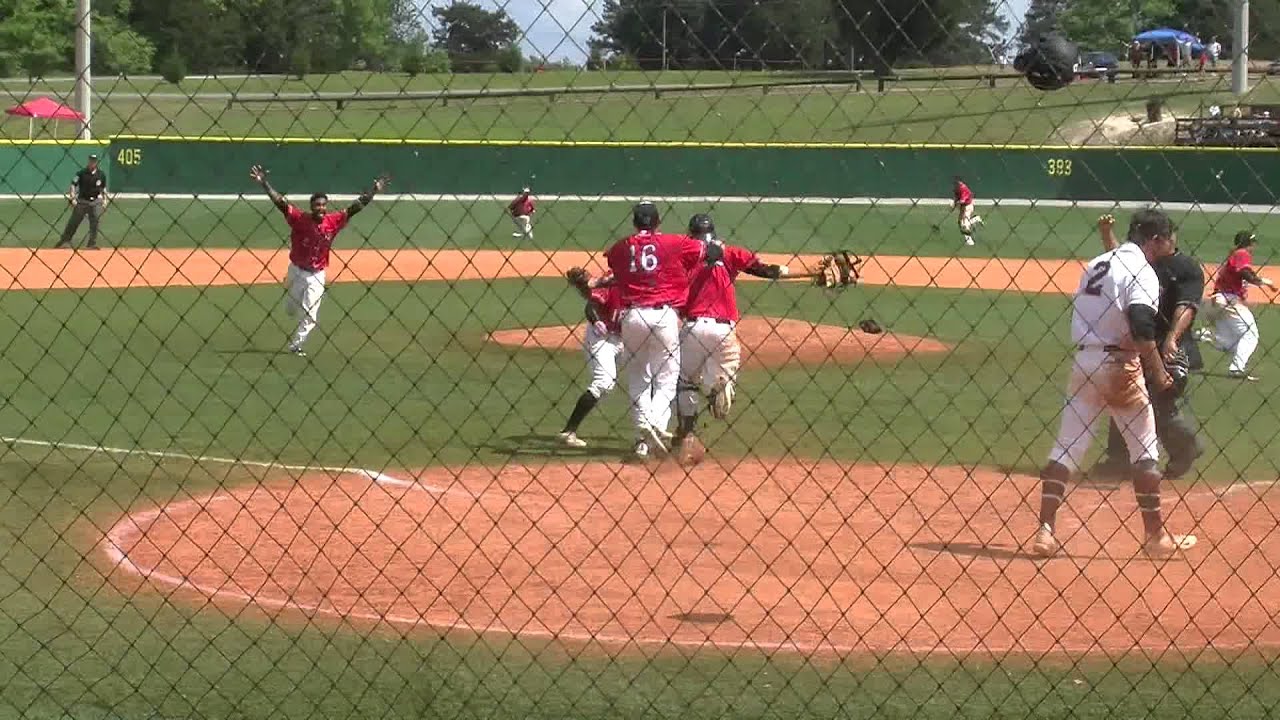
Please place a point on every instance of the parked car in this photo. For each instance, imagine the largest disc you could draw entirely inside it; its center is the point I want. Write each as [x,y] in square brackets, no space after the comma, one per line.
[1097,64]
[1274,68]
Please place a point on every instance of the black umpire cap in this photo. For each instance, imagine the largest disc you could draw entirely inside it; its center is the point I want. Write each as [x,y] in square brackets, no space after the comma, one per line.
[645,216]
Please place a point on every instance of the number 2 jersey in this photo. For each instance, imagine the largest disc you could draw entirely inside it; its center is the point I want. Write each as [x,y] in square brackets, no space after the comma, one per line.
[1111,283]
[652,269]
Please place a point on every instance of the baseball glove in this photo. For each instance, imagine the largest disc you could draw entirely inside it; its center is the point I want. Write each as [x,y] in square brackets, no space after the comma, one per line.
[1049,63]
[870,327]
[578,277]
[838,269]
[1178,365]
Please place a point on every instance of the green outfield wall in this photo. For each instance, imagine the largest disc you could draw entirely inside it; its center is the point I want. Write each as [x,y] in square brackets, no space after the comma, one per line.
[39,168]
[1168,175]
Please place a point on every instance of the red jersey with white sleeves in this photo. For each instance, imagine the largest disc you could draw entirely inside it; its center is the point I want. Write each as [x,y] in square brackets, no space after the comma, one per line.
[711,291]
[607,302]
[1230,278]
[963,195]
[310,241]
[522,205]
[652,269]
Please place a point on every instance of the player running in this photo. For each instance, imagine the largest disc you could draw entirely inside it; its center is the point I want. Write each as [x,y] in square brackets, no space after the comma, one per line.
[602,345]
[1235,331]
[651,270]
[963,200]
[522,209]
[311,238]
[1114,328]
[709,351]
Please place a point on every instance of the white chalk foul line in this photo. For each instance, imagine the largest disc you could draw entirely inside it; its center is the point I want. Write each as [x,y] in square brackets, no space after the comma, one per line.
[373,475]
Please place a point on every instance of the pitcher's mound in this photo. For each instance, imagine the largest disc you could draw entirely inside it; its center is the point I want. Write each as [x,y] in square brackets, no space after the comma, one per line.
[766,342]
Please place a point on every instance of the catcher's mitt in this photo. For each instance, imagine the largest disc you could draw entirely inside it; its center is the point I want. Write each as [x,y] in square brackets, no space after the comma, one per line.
[578,277]
[1049,63]
[838,269]
[1178,365]
[870,327]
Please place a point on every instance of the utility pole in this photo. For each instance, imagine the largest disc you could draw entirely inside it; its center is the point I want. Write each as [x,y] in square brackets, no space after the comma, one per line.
[1240,50]
[84,81]
[664,36]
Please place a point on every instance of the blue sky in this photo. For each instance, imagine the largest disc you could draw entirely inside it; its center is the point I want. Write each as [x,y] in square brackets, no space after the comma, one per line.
[560,28]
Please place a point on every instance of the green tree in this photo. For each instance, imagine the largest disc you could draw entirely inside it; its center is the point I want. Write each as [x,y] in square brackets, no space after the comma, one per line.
[1042,17]
[118,48]
[474,37]
[1209,18]
[35,36]
[1109,25]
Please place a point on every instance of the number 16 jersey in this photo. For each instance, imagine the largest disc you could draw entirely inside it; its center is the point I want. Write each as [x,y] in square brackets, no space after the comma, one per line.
[1111,283]
[652,269]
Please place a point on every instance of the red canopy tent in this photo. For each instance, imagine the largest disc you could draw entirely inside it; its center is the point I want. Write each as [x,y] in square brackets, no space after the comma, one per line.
[45,109]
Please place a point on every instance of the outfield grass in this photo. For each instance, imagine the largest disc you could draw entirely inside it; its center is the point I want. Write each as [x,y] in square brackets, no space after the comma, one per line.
[1010,231]
[401,377]
[940,112]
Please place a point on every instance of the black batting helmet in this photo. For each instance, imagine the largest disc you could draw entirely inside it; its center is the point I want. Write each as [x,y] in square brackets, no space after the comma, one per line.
[645,216]
[1245,238]
[701,224]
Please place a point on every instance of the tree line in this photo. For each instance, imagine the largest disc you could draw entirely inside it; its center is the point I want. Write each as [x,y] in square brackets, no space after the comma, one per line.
[177,37]
[1107,25]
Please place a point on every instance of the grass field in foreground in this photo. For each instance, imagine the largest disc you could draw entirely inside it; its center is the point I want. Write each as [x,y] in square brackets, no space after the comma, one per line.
[1010,231]
[401,377]
[950,112]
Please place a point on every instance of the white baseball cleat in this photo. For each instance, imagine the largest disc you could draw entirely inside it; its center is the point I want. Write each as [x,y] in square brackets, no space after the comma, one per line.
[296,350]
[1045,544]
[968,241]
[572,440]
[1167,544]
[641,450]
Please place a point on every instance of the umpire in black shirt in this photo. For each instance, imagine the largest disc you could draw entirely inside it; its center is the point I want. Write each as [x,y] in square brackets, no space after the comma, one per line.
[1181,289]
[88,198]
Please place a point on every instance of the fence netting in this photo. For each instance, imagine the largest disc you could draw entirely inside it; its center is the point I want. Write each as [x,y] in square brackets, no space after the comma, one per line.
[673,358]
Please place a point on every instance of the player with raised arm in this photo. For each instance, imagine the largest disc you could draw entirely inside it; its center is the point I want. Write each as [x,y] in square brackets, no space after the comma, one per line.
[710,355]
[1235,331]
[311,236]
[1113,326]
[602,345]
[651,270]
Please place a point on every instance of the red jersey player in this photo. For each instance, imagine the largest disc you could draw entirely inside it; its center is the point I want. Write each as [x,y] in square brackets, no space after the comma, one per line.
[651,270]
[522,210]
[1235,330]
[602,345]
[311,236]
[709,352]
[963,200]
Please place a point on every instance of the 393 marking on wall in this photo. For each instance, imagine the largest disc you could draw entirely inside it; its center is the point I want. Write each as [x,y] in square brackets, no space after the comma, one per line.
[1059,166]
[129,156]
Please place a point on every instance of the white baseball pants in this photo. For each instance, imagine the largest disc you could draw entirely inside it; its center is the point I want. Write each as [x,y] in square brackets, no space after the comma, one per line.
[603,352]
[1110,384]
[524,226]
[709,352]
[651,341]
[1235,331]
[306,288]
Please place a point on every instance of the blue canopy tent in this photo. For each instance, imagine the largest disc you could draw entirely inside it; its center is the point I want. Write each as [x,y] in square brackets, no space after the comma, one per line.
[1166,36]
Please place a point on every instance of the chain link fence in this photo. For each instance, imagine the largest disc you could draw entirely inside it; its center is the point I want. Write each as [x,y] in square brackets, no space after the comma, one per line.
[425,475]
